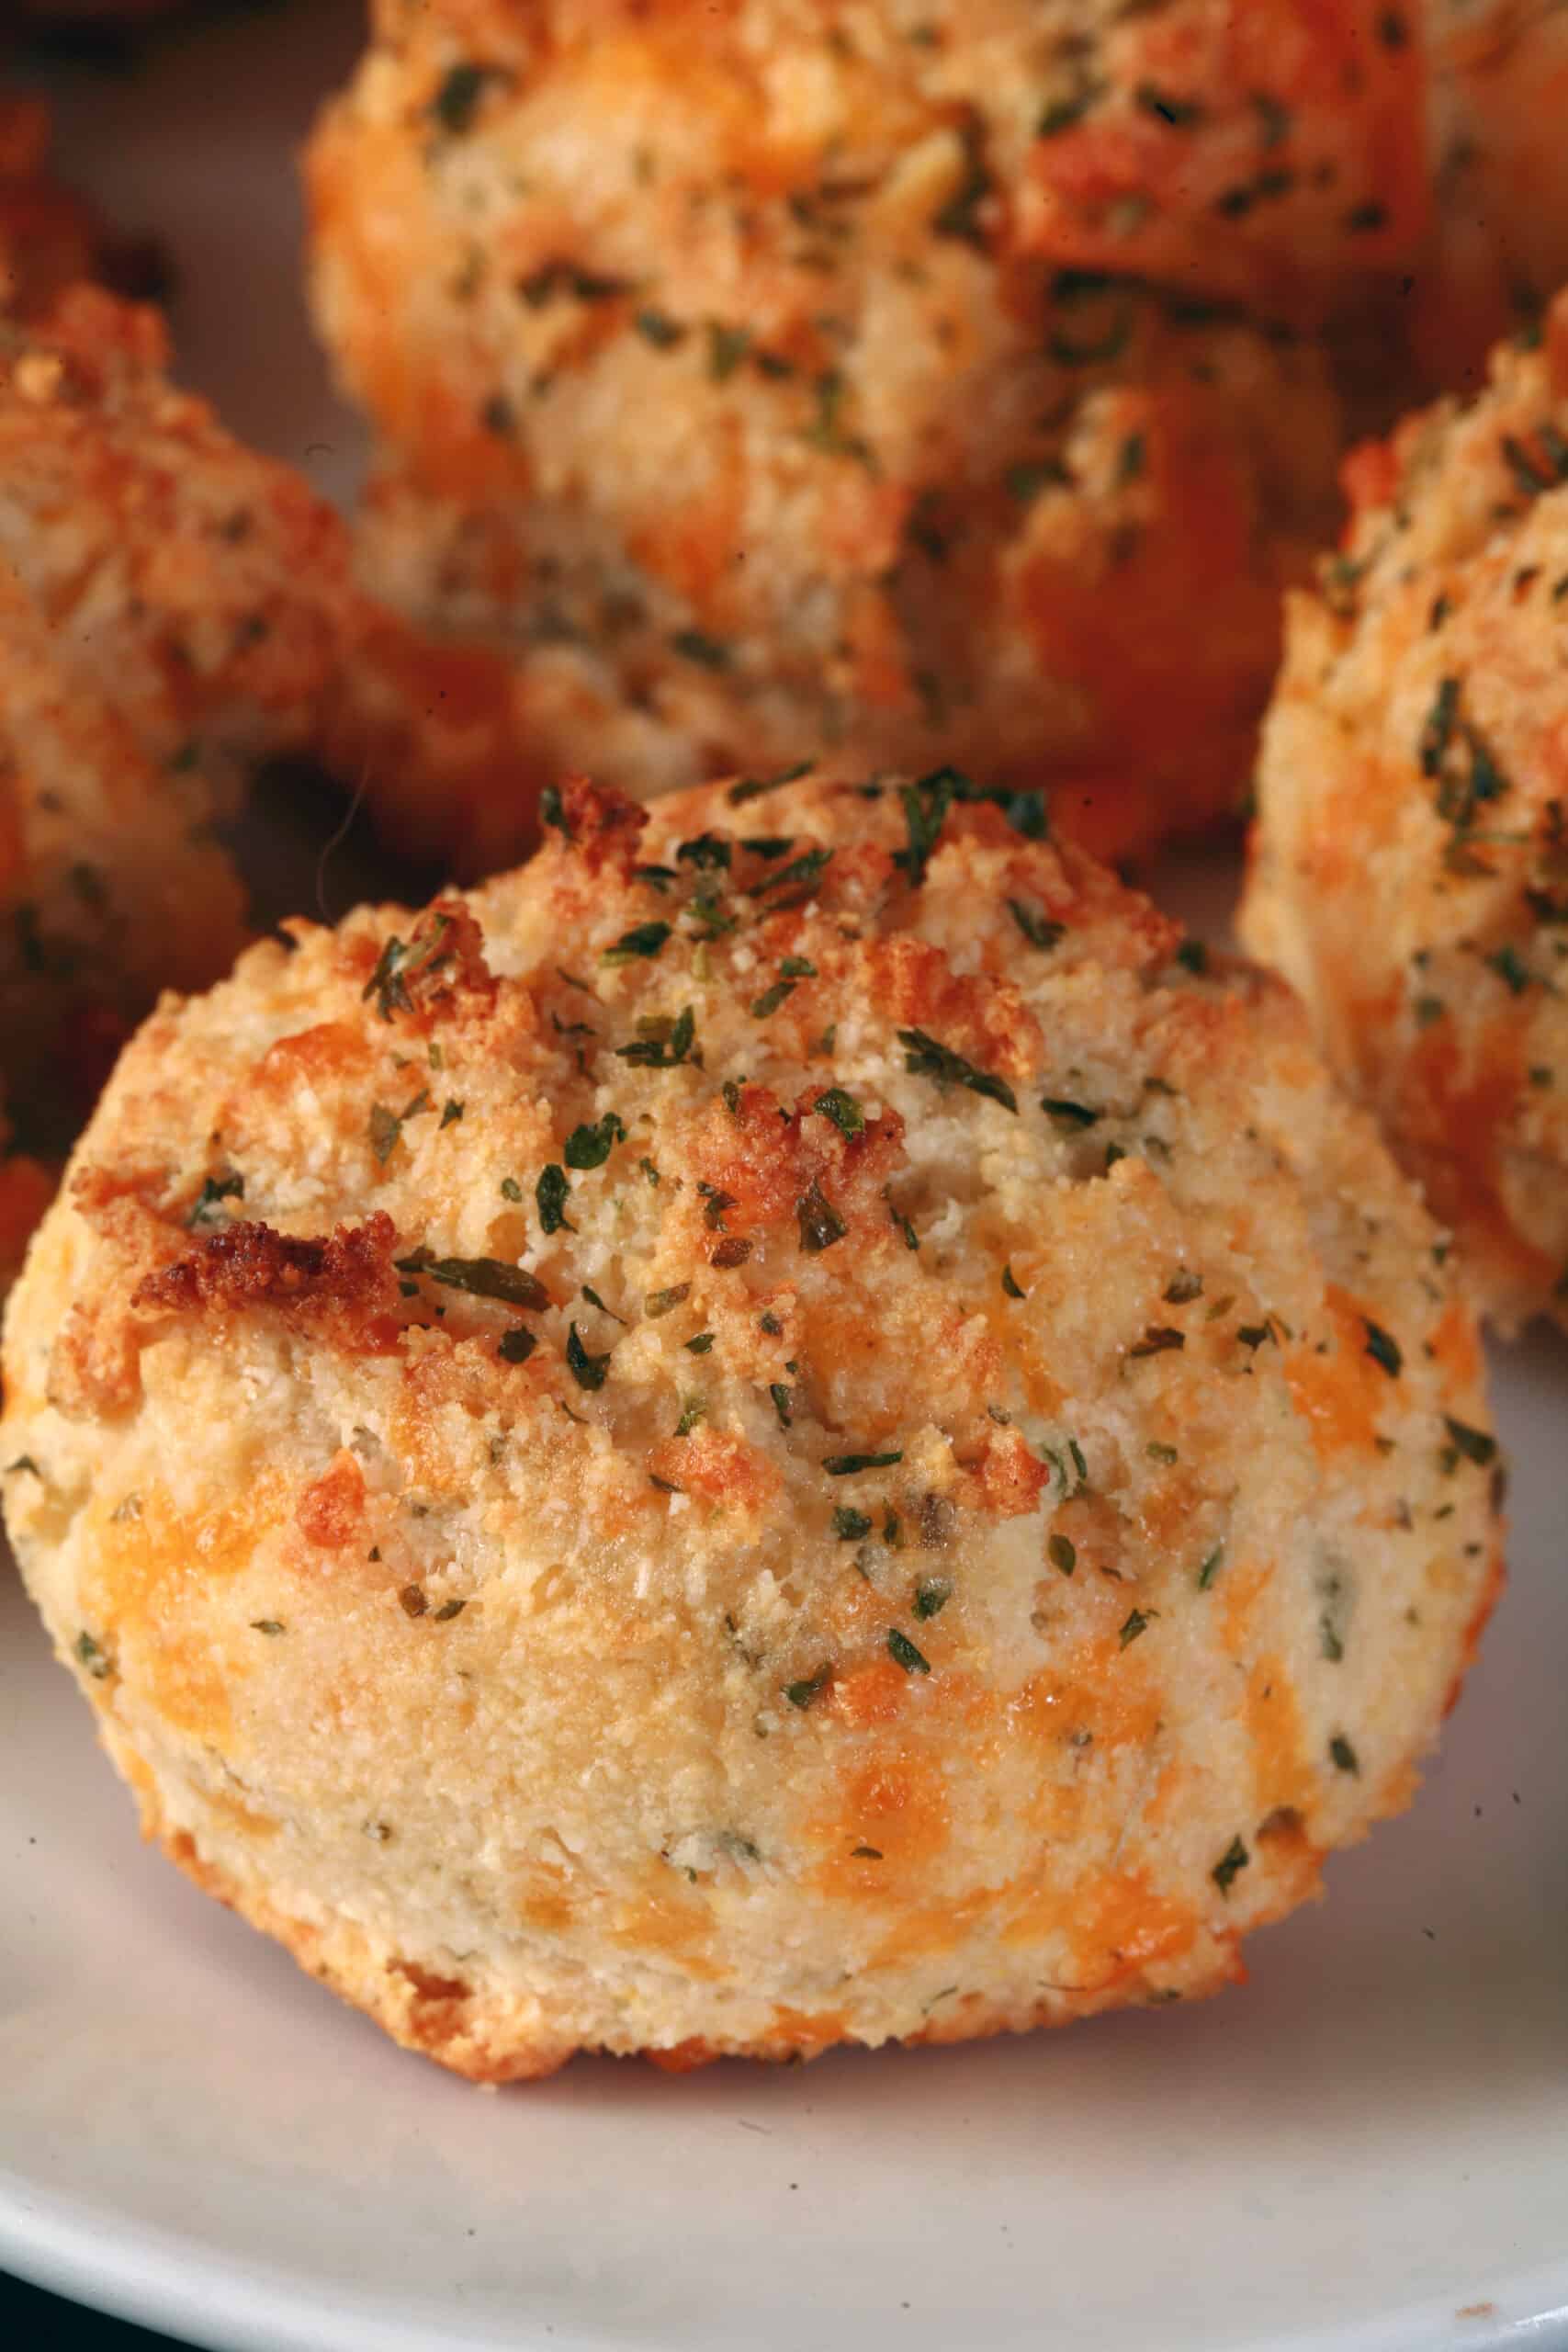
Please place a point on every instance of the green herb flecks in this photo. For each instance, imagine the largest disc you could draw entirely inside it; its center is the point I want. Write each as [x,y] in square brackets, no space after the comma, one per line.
[588,1370]
[645,940]
[1029,476]
[960,215]
[1537,465]
[403,961]
[551,1194]
[656,327]
[819,1222]
[590,1147]
[1158,1340]
[1511,969]
[826,431]
[541,287]
[707,909]
[660,1301]
[727,347]
[214,1189]
[1064,113]
[93,1656]
[926,1056]
[1234,1858]
[1180,114]
[850,1465]
[666,1045]
[1454,756]
[482,1277]
[385,1127]
[696,645]
[902,1651]
[1476,1445]
[752,787]
[457,96]
[1037,929]
[842,1109]
[925,804]
[801,872]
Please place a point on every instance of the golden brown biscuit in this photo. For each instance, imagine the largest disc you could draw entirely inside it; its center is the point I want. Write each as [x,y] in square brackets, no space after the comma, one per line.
[1410,868]
[170,611]
[787,1426]
[174,609]
[158,620]
[737,382]
[1040,620]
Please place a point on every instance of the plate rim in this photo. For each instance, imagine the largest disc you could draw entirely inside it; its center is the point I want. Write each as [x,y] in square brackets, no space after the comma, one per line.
[157,2279]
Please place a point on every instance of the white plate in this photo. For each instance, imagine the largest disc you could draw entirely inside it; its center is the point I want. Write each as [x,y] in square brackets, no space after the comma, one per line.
[1365,2150]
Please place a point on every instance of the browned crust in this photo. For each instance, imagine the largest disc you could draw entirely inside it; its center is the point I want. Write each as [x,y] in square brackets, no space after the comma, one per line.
[603,827]
[344,1278]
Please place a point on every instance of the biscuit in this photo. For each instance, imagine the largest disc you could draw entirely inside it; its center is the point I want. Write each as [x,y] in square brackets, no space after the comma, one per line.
[766,378]
[792,1425]
[1409,867]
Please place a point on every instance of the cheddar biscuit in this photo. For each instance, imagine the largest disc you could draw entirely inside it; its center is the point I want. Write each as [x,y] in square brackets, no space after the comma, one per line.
[789,1426]
[175,611]
[1410,870]
[914,384]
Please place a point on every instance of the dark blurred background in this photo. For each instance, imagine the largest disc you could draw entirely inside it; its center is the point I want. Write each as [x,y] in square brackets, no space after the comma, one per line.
[31,2321]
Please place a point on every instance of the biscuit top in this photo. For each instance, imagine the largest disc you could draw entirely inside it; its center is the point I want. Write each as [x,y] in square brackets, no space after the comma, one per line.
[776,1194]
